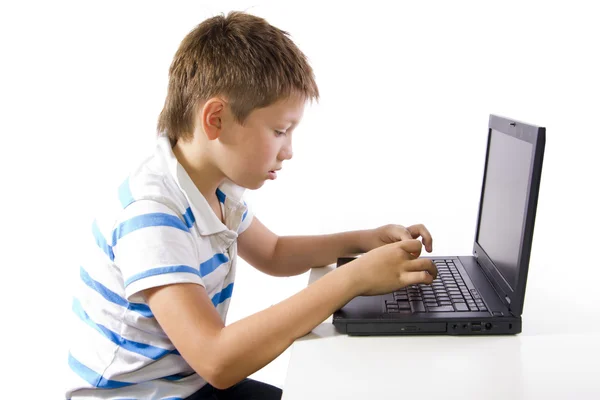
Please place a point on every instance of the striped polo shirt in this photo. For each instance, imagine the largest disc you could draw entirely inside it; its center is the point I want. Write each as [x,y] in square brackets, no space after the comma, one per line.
[156,229]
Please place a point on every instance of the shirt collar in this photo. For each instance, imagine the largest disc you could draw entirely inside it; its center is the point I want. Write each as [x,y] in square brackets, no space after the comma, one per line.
[208,223]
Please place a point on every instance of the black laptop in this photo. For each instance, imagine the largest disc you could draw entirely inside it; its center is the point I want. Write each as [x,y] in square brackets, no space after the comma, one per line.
[481,294]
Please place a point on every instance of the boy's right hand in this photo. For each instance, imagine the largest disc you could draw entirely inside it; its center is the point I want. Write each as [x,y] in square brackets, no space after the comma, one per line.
[391,267]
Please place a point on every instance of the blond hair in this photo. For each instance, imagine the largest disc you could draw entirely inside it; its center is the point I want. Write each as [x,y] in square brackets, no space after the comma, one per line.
[241,57]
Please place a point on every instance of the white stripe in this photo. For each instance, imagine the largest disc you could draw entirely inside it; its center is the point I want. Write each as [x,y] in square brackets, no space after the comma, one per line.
[150,390]
[134,320]
[115,322]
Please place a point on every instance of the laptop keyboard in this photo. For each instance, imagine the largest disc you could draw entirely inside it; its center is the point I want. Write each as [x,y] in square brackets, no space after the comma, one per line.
[447,293]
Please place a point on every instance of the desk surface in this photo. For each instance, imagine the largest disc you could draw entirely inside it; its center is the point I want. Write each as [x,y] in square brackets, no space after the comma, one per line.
[557,356]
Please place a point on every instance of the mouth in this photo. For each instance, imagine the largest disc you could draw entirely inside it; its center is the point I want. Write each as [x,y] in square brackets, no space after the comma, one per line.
[273,173]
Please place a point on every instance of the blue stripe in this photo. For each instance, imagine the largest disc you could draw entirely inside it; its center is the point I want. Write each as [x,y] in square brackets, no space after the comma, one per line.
[221,196]
[222,295]
[125,195]
[94,378]
[144,349]
[160,271]
[177,377]
[209,266]
[112,296]
[144,221]
[188,216]
[101,241]
[246,213]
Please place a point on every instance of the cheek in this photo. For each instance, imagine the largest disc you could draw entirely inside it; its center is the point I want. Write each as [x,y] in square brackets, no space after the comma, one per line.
[264,152]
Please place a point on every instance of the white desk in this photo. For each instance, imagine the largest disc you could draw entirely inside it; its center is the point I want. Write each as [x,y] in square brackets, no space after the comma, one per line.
[547,360]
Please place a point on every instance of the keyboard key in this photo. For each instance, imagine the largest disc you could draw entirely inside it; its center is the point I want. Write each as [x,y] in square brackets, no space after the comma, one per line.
[461,307]
[417,306]
[440,309]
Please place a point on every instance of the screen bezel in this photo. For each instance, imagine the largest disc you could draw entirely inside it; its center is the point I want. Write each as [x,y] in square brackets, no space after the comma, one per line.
[537,137]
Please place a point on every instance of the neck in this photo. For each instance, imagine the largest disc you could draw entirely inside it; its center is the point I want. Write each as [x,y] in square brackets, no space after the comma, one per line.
[206,176]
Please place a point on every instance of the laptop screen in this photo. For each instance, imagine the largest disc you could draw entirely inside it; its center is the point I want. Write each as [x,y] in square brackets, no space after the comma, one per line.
[504,202]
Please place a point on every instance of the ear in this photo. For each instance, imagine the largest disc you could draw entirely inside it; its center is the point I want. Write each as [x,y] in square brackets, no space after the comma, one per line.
[211,116]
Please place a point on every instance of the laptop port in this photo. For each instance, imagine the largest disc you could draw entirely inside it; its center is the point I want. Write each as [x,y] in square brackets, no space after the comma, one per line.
[488,326]
[476,326]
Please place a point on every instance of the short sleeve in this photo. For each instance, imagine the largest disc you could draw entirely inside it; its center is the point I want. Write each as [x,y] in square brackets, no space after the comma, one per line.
[153,246]
[246,219]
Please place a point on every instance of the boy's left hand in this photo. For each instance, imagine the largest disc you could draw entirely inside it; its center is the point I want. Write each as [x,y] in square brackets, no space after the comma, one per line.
[394,233]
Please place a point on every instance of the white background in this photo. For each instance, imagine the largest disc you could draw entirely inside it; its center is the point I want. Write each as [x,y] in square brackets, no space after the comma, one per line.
[397,137]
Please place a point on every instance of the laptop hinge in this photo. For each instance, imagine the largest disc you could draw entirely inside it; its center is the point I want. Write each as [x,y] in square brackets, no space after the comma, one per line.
[508,305]
[496,287]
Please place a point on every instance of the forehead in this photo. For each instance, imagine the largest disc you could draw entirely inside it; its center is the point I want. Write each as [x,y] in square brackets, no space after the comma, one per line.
[289,109]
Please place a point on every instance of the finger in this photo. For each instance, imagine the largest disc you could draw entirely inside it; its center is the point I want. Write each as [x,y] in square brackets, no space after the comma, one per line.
[401,233]
[414,278]
[422,264]
[411,246]
[421,230]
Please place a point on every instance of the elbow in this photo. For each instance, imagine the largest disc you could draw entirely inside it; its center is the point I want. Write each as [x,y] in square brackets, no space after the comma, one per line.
[220,378]
[220,384]
[221,381]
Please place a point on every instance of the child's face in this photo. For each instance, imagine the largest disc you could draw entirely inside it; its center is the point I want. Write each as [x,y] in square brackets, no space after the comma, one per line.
[252,153]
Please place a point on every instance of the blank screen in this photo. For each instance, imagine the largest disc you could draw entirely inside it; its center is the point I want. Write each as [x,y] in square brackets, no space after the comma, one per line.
[503,209]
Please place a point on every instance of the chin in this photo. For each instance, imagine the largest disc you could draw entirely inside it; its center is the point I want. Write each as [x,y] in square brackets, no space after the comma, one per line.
[250,185]
[257,185]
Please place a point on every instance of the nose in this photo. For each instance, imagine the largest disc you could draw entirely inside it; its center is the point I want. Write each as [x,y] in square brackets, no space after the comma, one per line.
[286,152]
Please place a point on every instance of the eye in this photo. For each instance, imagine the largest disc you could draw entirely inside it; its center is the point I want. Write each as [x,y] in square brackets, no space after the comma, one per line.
[279,133]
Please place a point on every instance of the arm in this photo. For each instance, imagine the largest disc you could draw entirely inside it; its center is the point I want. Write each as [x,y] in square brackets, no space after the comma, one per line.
[225,355]
[294,255]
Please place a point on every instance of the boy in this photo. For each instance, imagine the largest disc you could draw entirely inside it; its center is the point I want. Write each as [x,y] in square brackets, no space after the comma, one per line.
[160,270]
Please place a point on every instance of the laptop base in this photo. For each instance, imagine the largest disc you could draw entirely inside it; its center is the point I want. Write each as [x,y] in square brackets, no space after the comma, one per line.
[482,326]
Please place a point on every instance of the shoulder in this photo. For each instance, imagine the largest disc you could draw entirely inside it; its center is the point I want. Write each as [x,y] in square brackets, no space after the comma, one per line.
[147,188]
[154,180]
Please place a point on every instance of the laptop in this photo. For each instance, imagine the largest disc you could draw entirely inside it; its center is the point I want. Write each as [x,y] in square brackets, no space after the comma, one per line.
[481,294]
